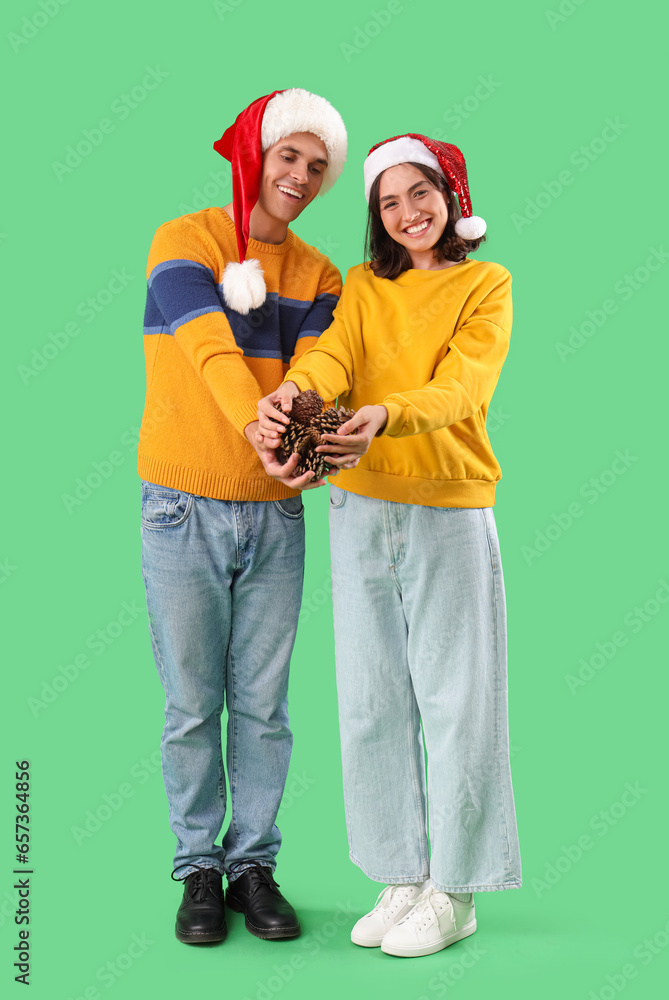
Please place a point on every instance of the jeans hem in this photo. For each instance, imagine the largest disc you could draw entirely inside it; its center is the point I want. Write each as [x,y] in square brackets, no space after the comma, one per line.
[232,877]
[476,888]
[188,869]
[392,879]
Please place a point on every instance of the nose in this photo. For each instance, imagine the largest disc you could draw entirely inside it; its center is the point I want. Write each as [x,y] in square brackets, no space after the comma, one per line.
[409,213]
[298,171]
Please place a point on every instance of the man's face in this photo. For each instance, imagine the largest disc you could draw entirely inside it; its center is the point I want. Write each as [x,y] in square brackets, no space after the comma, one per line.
[292,174]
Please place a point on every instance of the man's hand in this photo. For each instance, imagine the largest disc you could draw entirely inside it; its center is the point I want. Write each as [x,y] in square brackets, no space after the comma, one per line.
[346,453]
[272,411]
[284,473]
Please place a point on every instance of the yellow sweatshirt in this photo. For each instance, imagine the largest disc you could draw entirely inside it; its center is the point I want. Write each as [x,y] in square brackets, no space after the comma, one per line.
[429,346]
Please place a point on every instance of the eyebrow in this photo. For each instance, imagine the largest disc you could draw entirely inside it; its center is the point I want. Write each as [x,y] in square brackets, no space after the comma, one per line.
[417,184]
[298,152]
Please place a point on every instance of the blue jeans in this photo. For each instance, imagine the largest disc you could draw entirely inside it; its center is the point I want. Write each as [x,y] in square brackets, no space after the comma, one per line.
[420,638]
[223,587]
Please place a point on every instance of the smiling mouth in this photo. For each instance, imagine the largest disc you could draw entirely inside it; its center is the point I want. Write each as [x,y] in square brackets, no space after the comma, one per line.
[419,228]
[290,192]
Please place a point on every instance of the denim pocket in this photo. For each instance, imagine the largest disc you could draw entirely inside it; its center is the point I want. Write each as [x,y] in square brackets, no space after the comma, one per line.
[291,507]
[337,496]
[163,507]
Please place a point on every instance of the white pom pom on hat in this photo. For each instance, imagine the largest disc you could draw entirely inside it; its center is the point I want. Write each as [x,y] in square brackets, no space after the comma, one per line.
[441,156]
[472,227]
[265,122]
[244,286]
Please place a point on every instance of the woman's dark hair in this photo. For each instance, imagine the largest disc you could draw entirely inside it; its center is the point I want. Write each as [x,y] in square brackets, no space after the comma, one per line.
[388,258]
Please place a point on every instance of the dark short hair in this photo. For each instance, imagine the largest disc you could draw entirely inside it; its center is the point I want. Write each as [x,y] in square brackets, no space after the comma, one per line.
[387,258]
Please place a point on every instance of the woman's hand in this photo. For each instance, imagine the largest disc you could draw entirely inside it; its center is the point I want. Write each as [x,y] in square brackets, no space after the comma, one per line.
[345,454]
[272,411]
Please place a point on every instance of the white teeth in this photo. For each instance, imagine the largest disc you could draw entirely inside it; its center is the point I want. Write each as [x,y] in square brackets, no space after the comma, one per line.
[295,194]
[419,228]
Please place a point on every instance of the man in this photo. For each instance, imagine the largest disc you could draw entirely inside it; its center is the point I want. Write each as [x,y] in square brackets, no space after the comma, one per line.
[222,542]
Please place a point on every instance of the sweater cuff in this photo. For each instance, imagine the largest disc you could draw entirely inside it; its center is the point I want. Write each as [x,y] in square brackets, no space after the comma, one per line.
[396,418]
[244,415]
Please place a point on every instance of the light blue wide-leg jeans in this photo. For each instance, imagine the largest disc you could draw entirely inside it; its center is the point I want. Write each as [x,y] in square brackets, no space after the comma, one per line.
[223,585]
[420,637]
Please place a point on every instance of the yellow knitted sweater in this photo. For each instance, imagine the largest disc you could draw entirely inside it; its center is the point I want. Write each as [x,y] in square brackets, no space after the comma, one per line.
[207,365]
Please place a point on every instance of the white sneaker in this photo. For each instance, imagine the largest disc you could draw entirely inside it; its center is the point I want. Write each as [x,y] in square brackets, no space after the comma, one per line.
[391,905]
[435,921]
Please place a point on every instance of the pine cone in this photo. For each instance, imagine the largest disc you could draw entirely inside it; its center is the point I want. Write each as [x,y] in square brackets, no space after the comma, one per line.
[310,460]
[303,433]
[299,438]
[330,420]
[306,405]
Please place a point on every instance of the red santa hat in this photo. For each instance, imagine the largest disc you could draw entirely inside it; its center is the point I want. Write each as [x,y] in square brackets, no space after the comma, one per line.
[261,125]
[443,157]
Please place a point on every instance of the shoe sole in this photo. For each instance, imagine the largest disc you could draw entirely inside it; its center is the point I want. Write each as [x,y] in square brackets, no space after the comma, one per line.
[366,942]
[266,933]
[207,938]
[432,948]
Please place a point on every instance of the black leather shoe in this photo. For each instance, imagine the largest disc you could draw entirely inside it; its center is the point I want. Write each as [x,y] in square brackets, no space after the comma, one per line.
[255,894]
[201,916]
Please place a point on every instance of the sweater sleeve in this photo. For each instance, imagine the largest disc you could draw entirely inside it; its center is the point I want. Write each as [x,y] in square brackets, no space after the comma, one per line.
[319,315]
[327,366]
[183,302]
[465,377]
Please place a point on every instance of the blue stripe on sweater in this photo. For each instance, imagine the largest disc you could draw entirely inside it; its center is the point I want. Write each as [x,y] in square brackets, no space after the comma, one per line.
[180,290]
[272,331]
[249,352]
[168,265]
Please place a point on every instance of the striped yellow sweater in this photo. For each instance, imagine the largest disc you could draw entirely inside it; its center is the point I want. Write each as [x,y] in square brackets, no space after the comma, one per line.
[207,366]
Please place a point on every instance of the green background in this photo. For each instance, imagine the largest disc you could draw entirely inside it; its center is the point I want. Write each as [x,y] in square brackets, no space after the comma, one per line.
[535,83]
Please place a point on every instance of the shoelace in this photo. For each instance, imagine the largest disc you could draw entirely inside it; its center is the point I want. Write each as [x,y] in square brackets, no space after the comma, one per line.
[199,885]
[394,891]
[262,873]
[424,909]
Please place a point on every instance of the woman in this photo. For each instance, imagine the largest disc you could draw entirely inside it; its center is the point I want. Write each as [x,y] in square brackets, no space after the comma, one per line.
[416,346]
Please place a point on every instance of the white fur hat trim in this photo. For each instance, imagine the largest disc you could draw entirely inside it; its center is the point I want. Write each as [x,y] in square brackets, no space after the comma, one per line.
[390,154]
[298,110]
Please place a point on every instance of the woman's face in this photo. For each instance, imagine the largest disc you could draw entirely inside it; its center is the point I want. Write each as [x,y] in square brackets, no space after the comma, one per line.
[414,213]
